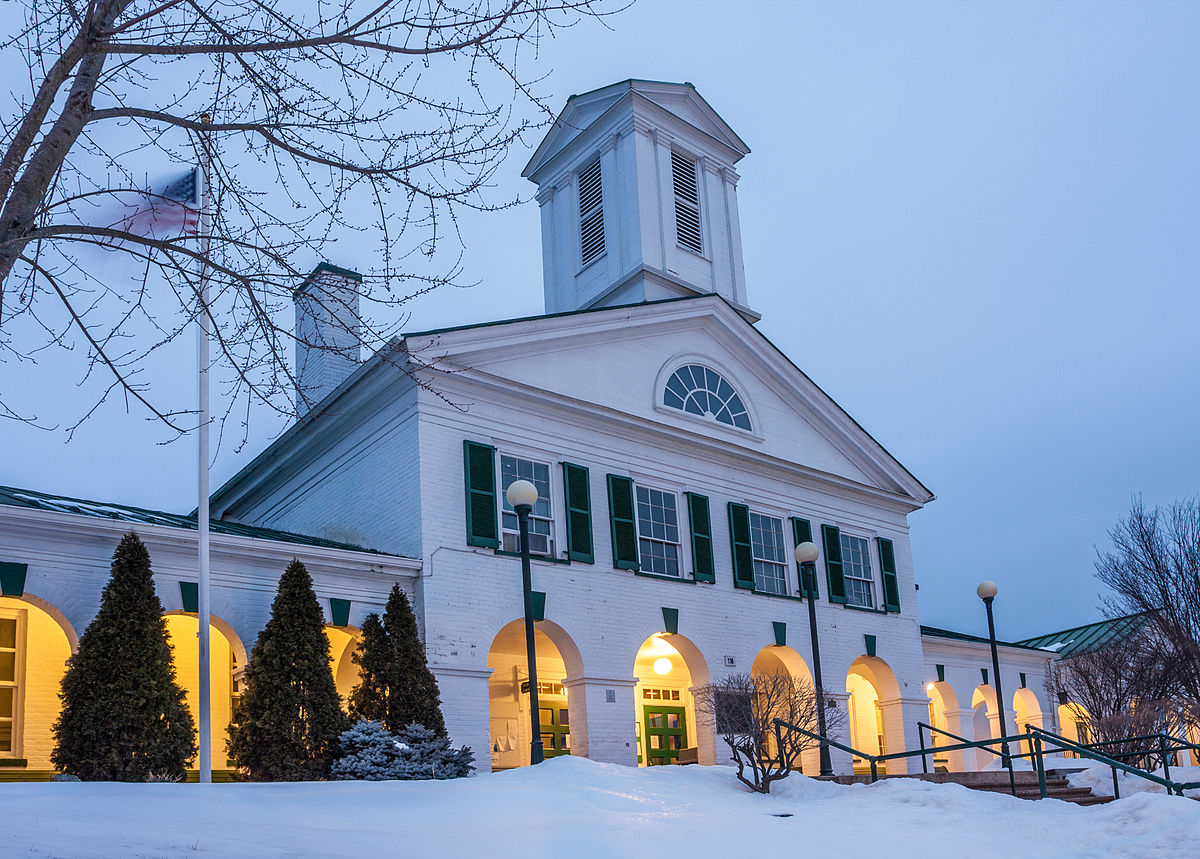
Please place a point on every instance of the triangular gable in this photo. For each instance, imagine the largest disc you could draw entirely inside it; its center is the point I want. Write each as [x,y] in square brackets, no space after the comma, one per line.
[681,100]
[578,346]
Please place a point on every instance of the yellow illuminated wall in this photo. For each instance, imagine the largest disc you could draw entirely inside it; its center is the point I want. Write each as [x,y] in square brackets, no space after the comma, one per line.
[343,643]
[41,657]
[865,718]
[182,632]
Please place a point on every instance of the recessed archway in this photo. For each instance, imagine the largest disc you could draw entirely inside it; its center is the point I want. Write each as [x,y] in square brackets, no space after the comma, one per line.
[778,659]
[667,668]
[343,645]
[1028,712]
[560,713]
[986,723]
[943,715]
[227,664]
[1074,723]
[871,685]
[35,644]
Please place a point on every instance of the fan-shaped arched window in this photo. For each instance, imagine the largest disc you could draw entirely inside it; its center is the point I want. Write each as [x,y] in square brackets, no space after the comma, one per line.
[700,391]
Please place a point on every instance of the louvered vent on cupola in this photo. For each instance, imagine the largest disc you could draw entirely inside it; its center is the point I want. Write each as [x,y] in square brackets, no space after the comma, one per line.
[687,203]
[591,214]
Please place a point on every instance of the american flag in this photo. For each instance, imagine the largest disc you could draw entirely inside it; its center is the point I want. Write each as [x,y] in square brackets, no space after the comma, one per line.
[174,212]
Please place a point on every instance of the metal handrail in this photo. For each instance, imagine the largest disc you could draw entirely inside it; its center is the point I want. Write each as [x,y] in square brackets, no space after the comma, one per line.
[1040,733]
[969,744]
[1167,745]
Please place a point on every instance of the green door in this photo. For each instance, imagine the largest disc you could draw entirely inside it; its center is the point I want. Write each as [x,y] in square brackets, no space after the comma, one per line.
[555,730]
[665,735]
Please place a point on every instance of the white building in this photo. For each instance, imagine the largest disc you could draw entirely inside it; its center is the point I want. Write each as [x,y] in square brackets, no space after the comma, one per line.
[679,457]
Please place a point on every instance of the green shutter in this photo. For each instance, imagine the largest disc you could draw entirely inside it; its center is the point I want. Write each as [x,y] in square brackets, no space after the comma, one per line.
[702,551]
[620,517]
[12,578]
[832,538]
[579,514]
[739,542]
[887,563]
[480,468]
[189,593]
[802,533]
[339,611]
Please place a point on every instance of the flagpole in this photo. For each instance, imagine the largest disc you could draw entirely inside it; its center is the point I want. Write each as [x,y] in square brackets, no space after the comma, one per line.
[202,460]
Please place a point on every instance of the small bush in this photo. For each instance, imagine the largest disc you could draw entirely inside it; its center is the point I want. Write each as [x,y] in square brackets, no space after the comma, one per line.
[371,753]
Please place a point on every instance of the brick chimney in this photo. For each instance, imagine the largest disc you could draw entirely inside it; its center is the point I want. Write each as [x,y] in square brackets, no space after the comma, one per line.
[328,332]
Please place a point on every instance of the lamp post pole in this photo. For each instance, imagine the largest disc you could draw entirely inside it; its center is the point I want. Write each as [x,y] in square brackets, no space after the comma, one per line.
[806,556]
[987,592]
[522,495]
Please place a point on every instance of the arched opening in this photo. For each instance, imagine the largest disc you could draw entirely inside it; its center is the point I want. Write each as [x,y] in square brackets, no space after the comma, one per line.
[986,723]
[559,712]
[1073,723]
[35,644]
[343,644]
[872,689]
[227,664]
[776,659]
[1028,712]
[942,703]
[667,668]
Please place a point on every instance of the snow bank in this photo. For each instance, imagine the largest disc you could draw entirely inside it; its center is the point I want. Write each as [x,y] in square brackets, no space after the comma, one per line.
[582,809]
[1098,777]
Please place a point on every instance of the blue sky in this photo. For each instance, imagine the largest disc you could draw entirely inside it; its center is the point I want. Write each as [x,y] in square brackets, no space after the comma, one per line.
[973,224]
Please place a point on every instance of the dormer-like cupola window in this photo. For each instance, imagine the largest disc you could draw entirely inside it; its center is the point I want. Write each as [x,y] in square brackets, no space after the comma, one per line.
[687,203]
[591,214]
[703,392]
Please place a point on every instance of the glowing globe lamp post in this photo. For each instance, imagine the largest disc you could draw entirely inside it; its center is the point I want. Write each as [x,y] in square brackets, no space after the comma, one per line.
[987,592]
[522,495]
[806,556]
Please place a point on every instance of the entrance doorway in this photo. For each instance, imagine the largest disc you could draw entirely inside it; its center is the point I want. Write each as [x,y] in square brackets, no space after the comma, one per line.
[665,733]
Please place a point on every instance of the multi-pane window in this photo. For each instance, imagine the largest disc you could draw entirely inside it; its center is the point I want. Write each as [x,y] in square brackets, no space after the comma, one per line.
[9,652]
[687,203]
[591,214]
[704,392]
[770,555]
[541,520]
[856,568]
[658,531]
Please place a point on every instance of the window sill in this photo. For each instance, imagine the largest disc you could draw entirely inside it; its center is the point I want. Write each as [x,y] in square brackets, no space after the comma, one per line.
[547,559]
[708,422]
[13,762]
[661,578]
[867,610]
[778,596]
[693,252]
[585,266]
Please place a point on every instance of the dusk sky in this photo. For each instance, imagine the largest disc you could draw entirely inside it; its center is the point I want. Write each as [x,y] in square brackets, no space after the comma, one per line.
[975,225]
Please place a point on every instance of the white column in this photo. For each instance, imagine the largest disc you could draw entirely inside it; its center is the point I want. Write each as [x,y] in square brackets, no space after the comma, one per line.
[602,718]
[467,721]
[837,723]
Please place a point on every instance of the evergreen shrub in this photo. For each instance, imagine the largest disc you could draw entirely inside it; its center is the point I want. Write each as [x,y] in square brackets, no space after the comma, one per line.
[371,753]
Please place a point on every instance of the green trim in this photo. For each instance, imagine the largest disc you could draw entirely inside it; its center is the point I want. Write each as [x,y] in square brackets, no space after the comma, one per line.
[479,475]
[577,495]
[831,538]
[802,533]
[670,620]
[538,598]
[677,579]
[621,523]
[545,559]
[869,642]
[864,608]
[1023,686]
[12,578]
[937,632]
[700,522]
[780,630]
[339,611]
[328,268]
[983,671]
[887,565]
[739,546]
[941,673]
[189,592]
[13,762]
[778,596]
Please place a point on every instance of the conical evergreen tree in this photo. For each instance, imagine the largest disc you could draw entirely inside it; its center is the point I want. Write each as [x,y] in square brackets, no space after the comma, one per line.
[286,725]
[368,700]
[412,689]
[123,715]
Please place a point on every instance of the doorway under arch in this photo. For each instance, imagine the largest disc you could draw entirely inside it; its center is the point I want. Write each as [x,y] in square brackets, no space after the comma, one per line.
[227,665]
[35,643]
[559,712]
[872,686]
[667,668]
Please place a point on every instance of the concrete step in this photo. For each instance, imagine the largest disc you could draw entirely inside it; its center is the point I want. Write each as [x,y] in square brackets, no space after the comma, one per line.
[997,781]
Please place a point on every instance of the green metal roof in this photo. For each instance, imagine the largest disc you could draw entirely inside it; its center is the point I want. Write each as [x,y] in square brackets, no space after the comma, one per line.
[12,497]
[937,632]
[1088,637]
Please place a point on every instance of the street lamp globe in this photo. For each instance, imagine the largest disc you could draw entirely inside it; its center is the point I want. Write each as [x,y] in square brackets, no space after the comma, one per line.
[806,553]
[987,590]
[521,493]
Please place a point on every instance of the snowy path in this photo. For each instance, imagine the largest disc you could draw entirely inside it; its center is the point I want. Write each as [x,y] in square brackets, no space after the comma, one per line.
[573,808]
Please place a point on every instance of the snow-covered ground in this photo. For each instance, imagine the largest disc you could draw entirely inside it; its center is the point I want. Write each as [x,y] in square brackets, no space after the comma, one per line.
[1098,777]
[575,808]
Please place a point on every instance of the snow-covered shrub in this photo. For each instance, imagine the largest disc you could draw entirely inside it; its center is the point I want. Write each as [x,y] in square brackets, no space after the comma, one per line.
[371,753]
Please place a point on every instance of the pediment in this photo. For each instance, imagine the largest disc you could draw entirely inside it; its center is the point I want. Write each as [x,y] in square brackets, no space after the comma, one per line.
[613,362]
